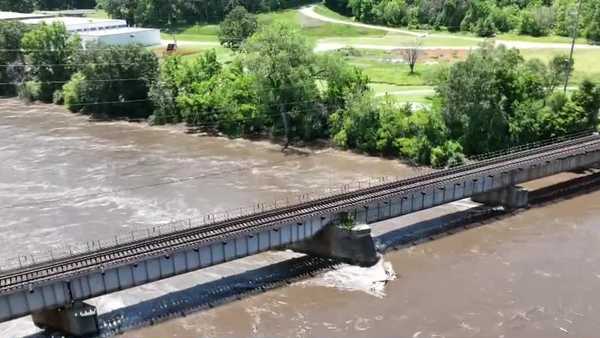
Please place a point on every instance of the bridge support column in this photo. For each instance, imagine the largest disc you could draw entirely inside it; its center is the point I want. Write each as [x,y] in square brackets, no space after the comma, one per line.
[352,245]
[78,319]
[514,197]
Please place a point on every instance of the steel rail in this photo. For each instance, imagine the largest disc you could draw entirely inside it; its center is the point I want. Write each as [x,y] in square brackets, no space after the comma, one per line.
[117,253]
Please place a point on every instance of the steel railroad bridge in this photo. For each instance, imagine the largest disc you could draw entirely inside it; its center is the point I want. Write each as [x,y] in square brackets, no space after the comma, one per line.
[54,291]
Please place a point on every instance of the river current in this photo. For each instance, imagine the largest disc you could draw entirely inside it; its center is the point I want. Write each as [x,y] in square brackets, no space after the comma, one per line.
[66,180]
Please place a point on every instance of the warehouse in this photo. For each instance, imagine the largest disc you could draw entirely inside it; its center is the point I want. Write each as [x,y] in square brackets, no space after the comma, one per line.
[122,36]
[106,31]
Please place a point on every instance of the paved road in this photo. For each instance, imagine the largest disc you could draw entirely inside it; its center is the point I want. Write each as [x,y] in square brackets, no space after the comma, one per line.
[309,11]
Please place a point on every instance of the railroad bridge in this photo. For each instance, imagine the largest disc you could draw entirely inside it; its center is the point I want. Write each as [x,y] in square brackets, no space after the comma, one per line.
[54,291]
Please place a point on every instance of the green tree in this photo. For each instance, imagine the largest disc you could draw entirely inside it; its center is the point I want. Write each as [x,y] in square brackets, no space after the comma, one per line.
[21,6]
[588,98]
[340,6]
[114,81]
[479,98]
[537,21]
[11,58]
[120,9]
[357,126]
[592,32]
[49,49]
[237,27]
[284,65]
[559,68]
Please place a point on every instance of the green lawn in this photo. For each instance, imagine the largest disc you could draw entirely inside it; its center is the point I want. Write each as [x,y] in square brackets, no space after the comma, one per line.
[397,39]
[587,62]
[313,29]
[394,73]
[98,14]
[546,39]
[323,10]
[198,32]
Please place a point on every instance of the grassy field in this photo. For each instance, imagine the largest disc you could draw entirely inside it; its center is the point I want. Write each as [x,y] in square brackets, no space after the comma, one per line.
[204,33]
[587,62]
[98,14]
[314,29]
[398,39]
[547,39]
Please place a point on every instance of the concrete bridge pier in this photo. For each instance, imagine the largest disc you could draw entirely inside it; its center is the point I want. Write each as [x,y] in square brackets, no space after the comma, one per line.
[78,319]
[352,244]
[512,197]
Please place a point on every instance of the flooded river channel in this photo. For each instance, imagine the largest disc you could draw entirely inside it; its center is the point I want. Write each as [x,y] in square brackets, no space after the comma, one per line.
[65,180]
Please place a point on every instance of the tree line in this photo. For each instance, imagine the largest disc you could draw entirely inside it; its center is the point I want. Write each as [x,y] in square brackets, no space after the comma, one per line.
[171,13]
[277,87]
[483,17]
[28,6]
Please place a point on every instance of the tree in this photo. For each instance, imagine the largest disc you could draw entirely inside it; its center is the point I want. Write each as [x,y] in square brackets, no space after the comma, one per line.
[537,21]
[113,82]
[120,9]
[285,68]
[479,98]
[592,32]
[559,69]
[21,6]
[237,27]
[11,58]
[412,53]
[49,50]
[357,126]
[588,98]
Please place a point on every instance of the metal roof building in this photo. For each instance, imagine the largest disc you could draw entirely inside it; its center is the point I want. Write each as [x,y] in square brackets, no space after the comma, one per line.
[106,31]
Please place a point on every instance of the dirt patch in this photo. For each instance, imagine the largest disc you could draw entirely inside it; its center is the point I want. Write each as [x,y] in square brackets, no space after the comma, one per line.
[439,55]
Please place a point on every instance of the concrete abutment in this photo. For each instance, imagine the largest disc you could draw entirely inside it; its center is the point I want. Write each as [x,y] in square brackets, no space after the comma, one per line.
[351,244]
[512,197]
[78,319]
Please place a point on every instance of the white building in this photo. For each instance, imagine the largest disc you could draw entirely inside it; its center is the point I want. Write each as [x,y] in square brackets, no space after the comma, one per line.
[107,31]
[79,24]
[123,36]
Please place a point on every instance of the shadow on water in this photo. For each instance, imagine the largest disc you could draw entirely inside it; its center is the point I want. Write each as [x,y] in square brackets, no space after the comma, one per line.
[232,288]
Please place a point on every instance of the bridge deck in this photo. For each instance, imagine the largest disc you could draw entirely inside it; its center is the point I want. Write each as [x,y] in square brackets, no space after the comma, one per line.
[99,260]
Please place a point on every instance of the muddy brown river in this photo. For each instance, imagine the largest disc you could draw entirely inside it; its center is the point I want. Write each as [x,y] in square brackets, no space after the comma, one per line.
[65,180]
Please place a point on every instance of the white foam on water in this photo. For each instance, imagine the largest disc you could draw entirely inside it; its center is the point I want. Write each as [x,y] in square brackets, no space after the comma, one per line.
[18,328]
[371,280]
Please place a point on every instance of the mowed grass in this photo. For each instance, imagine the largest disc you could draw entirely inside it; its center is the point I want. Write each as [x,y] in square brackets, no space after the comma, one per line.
[203,33]
[388,68]
[98,14]
[399,40]
[540,39]
[313,29]
[587,62]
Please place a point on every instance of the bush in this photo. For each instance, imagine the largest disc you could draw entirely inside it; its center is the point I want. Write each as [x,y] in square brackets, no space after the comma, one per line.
[58,97]
[537,21]
[29,91]
[450,154]
[72,95]
[592,33]
[101,88]
[485,27]
[237,27]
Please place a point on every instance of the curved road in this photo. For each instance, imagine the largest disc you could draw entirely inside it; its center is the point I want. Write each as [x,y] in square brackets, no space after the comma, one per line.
[309,11]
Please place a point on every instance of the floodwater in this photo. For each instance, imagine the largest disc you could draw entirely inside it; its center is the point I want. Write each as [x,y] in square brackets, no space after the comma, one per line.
[65,180]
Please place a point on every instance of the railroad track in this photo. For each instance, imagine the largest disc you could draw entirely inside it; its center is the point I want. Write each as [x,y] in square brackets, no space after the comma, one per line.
[168,243]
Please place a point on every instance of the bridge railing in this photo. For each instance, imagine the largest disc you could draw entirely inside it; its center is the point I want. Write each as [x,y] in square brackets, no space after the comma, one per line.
[533,145]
